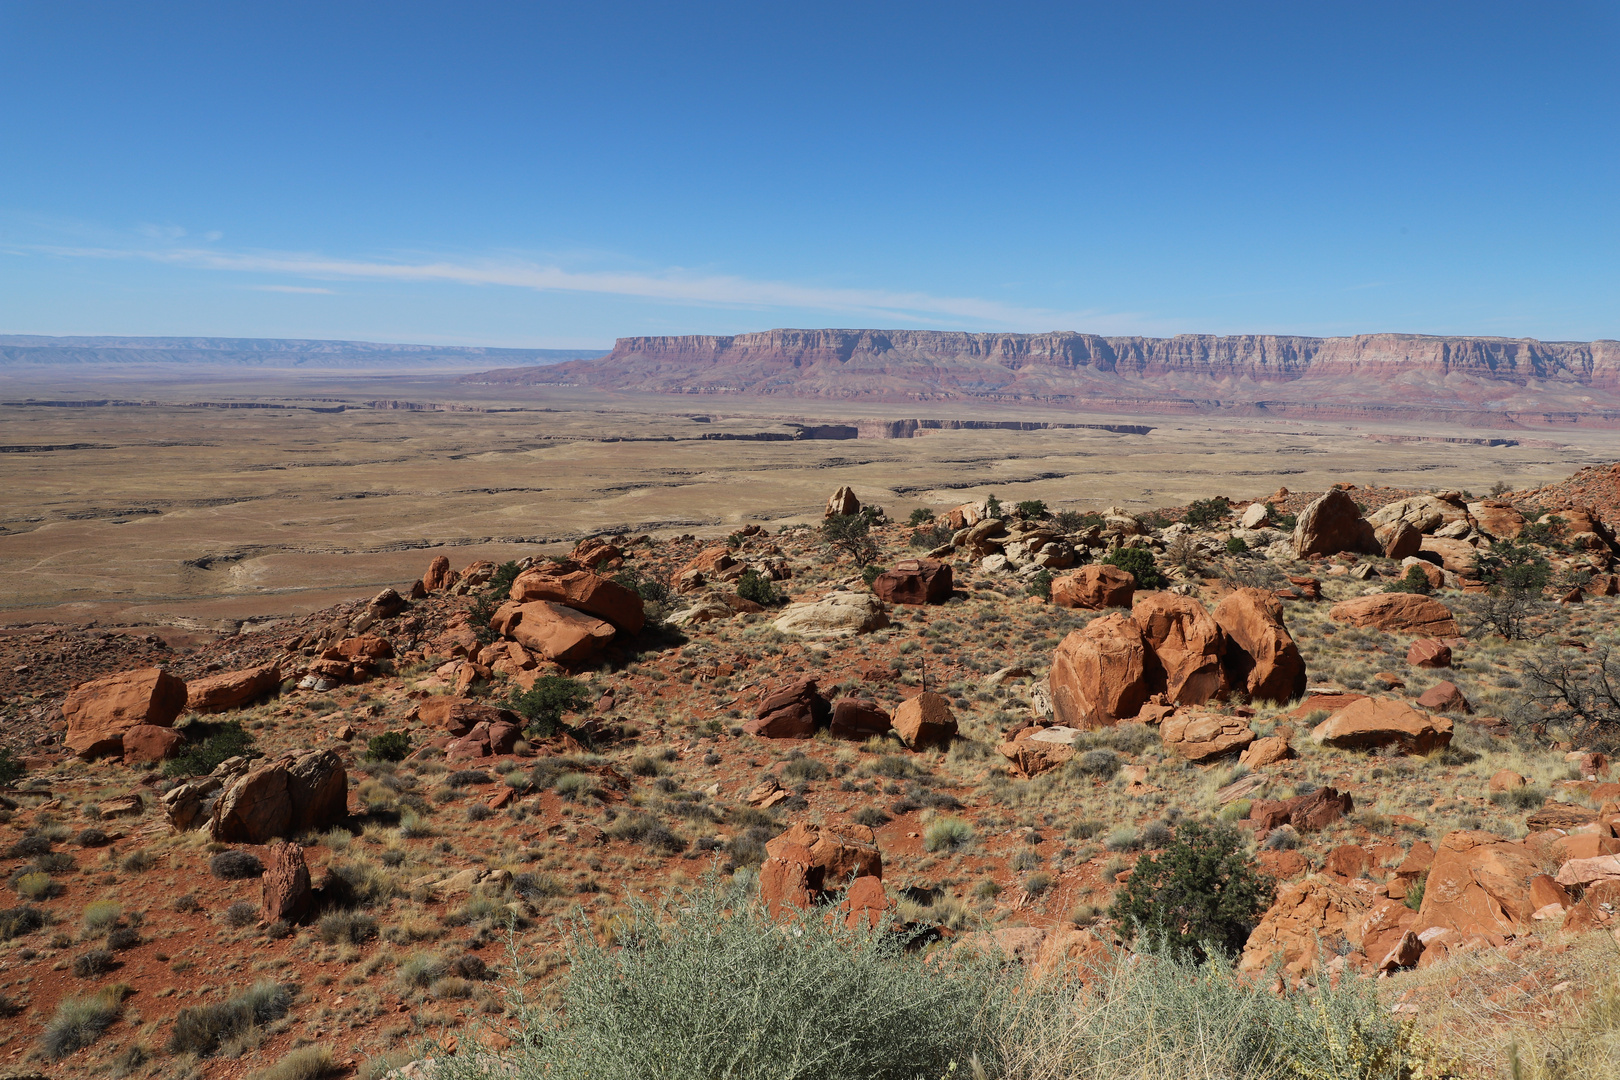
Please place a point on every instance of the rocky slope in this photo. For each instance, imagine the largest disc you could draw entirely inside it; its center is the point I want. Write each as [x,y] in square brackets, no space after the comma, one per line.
[987,738]
[1500,381]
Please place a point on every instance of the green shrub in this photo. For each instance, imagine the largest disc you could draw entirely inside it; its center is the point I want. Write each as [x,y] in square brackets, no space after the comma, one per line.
[1528,797]
[992,507]
[805,768]
[347,928]
[648,831]
[1205,512]
[1279,519]
[712,988]
[11,769]
[1040,584]
[304,1063]
[930,537]
[1414,891]
[1415,581]
[850,534]
[755,586]
[17,921]
[81,1021]
[101,916]
[1073,521]
[1139,562]
[870,573]
[1202,890]
[1236,545]
[218,742]
[544,704]
[94,964]
[389,746]
[421,970]
[947,834]
[35,885]
[574,786]
[201,1029]
[920,516]
[654,592]
[1034,509]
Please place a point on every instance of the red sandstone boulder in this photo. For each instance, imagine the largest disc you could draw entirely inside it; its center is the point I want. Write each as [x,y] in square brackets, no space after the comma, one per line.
[1444,697]
[1406,613]
[1261,657]
[925,721]
[439,575]
[1479,883]
[833,854]
[364,647]
[582,591]
[1306,813]
[1347,860]
[710,565]
[791,712]
[230,689]
[1497,519]
[1583,528]
[1094,587]
[1266,751]
[1201,737]
[594,552]
[1429,653]
[1505,780]
[1099,674]
[146,743]
[100,711]
[865,902]
[1187,644]
[1035,750]
[1331,524]
[858,719]
[1373,722]
[843,503]
[287,892]
[459,715]
[1306,916]
[560,633]
[783,885]
[291,795]
[914,581]
[1399,539]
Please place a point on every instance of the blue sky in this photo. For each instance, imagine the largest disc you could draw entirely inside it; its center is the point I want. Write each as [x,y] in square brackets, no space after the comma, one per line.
[534,175]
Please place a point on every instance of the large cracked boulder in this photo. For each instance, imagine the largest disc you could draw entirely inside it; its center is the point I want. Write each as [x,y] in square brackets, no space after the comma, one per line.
[583,591]
[1479,883]
[1094,588]
[842,503]
[100,711]
[1425,513]
[1099,674]
[286,797]
[1187,644]
[231,689]
[1261,657]
[1497,519]
[914,581]
[1399,539]
[858,719]
[1372,722]
[836,615]
[1331,524]
[833,855]
[557,632]
[1406,613]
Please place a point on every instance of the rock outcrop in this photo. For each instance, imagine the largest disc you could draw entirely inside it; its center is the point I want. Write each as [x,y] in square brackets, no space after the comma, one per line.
[1479,883]
[1203,737]
[582,591]
[793,711]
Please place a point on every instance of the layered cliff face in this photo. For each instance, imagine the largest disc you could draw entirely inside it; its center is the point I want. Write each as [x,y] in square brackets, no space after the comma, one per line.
[1502,379]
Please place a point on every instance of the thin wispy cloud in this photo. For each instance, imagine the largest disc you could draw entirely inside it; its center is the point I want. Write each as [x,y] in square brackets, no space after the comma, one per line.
[674,286]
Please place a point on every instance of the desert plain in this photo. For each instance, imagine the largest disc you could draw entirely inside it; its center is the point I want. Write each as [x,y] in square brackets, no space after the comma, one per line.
[206,501]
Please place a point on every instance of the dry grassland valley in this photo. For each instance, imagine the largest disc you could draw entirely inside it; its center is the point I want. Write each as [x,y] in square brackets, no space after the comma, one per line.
[580,719]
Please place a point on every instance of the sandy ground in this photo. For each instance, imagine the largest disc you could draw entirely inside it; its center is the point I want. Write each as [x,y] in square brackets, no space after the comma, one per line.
[200,515]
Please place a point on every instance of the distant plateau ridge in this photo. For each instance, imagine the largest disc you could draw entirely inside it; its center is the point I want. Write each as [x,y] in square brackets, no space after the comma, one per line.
[19,351]
[1488,381]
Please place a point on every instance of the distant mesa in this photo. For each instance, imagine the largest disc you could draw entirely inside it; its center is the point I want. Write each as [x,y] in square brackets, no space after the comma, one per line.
[1497,382]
